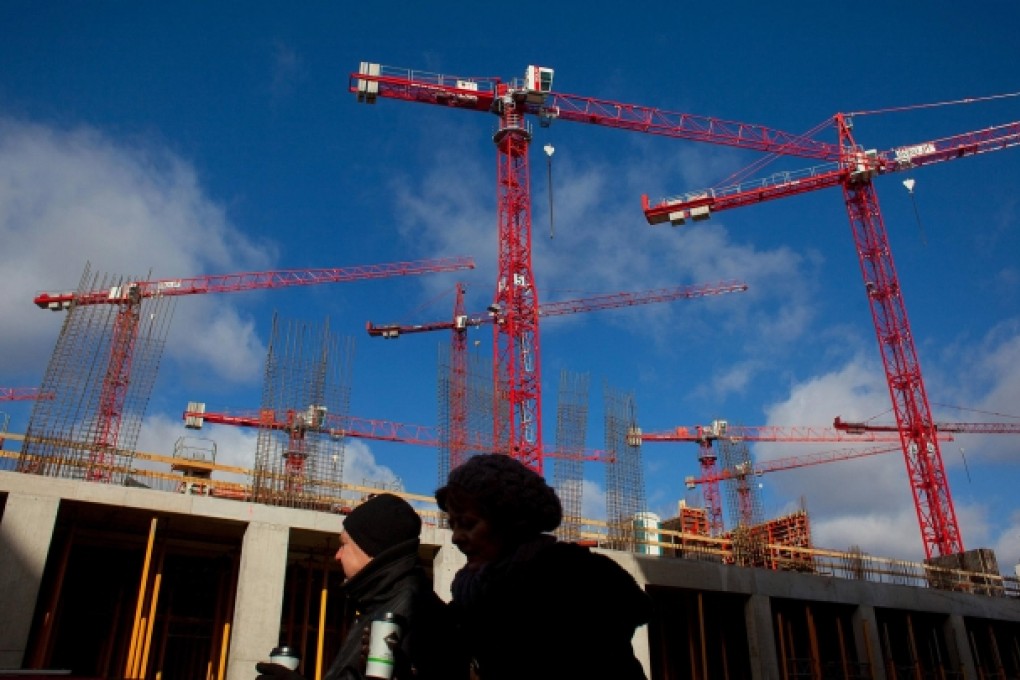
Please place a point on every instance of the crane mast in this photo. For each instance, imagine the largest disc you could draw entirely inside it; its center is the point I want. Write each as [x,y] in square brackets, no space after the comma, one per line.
[516,351]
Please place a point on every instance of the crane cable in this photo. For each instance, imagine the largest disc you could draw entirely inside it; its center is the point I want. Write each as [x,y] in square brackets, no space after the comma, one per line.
[549,150]
[911,107]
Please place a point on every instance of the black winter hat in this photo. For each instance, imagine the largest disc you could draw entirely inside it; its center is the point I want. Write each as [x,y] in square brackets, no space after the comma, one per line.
[382,522]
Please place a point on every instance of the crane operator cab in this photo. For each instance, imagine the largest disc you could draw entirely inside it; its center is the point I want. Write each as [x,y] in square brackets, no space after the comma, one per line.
[538,83]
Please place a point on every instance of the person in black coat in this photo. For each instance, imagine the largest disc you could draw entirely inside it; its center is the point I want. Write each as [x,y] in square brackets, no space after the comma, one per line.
[379,556]
[527,605]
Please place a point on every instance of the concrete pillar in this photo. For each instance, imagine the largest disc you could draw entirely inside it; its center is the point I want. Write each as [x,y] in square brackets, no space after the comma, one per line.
[25,535]
[867,640]
[258,608]
[642,649]
[445,565]
[961,657]
[761,638]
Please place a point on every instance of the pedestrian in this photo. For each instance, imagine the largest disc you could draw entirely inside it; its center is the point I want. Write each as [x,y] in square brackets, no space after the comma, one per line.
[379,557]
[527,605]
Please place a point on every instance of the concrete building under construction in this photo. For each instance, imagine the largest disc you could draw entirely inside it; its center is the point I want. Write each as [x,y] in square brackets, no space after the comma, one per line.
[115,581]
[116,563]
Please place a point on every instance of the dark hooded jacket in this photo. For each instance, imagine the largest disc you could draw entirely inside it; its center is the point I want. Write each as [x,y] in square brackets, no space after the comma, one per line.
[550,610]
[394,582]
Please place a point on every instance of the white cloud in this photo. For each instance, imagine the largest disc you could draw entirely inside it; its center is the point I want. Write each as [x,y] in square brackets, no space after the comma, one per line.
[593,500]
[236,447]
[867,501]
[361,468]
[68,197]
[602,244]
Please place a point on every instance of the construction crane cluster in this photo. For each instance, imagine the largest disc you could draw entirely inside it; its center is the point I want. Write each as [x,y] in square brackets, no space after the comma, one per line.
[132,342]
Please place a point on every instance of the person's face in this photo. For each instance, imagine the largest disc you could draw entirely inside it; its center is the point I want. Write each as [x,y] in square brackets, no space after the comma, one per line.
[475,536]
[350,556]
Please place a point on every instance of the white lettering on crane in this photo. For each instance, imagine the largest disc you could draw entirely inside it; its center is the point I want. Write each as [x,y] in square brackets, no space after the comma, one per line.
[905,154]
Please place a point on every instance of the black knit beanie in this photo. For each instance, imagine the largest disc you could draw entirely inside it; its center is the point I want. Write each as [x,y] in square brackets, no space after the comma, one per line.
[382,522]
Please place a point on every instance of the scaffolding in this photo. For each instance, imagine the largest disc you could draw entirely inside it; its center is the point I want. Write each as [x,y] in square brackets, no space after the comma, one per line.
[101,374]
[625,486]
[568,465]
[299,460]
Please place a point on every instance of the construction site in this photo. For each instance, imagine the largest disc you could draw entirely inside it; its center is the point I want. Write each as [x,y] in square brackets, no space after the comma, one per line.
[122,563]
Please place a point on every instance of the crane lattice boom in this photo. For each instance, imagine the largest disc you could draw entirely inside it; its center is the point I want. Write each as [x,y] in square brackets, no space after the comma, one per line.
[299,422]
[858,165]
[23,394]
[230,283]
[594,303]
[961,428]
[483,94]
[789,463]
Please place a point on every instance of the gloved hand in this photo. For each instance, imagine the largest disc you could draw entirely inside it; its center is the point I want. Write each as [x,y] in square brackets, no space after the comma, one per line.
[274,671]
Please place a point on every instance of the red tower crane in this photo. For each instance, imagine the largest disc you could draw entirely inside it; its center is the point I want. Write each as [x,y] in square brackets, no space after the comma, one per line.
[705,435]
[854,171]
[461,322]
[298,423]
[516,352]
[128,299]
[740,472]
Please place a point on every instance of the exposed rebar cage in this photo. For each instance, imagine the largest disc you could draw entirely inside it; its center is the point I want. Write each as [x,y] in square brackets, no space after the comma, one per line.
[743,499]
[465,415]
[744,504]
[568,465]
[625,486]
[101,374]
[299,457]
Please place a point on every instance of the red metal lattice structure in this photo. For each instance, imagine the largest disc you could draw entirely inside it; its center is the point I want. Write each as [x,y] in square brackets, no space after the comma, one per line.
[23,394]
[516,352]
[297,424]
[854,171]
[128,298]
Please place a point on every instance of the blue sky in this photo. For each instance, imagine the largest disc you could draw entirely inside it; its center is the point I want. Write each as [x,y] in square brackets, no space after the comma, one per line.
[204,138]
